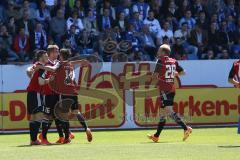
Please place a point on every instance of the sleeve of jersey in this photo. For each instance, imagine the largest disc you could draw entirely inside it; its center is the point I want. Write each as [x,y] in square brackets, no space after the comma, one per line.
[231,73]
[178,68]
[158,66]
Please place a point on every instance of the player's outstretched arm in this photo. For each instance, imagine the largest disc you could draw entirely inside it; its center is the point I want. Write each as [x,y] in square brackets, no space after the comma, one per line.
[81,62]
[47,68]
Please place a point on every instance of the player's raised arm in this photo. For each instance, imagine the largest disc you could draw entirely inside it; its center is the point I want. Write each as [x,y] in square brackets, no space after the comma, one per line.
[231,78]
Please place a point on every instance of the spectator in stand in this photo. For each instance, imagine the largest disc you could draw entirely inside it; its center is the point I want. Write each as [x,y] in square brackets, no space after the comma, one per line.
[173,23]
[155,6]
[121,22]
[64,6]
[43,14]
[147,42]
[213,37]
[198,37]
[125,8]
[183,7]
[165,31]
[31,11]
[184,35]
[224,54]
[178,51]
[209,55]
[92,7]
[58,27]
[90,23]
[230,9]
[107,5]
[231,24]
[21,45]
[172,10]
[216,6]
[203,21]
[197,7]
[26,23]
[136,22]
[188,19]
[133,37]
[153,23]
[76,21]
[119,36]
[38,39]
[226,38]
[105,21]
[85,42]
[6,40]
[11,26]
[142,8]
[79,8]
[11,11]
[71,39]
[214,19]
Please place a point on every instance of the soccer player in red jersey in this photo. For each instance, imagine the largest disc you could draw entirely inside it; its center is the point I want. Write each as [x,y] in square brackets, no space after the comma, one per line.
[51,98]
[165,71]
[234,75]
[35,104]
[67,68]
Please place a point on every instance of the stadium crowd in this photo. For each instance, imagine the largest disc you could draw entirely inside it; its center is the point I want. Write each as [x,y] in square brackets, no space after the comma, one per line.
[130,29]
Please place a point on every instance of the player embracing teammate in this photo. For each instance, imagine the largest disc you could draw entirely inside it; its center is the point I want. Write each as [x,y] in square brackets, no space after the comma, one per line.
[46,70]
[35,102]
[165,71]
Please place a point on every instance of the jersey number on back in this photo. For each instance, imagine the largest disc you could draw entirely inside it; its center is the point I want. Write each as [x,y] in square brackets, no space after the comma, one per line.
[170,71]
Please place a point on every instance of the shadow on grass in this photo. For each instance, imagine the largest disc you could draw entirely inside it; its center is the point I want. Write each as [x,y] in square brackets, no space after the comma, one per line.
[27,145]
[165,142]
[229,146]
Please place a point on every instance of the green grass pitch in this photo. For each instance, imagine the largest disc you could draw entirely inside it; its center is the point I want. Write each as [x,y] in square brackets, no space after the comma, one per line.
[204,144]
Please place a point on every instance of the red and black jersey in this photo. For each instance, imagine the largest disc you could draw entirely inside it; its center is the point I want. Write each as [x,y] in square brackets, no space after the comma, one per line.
[46,88]
[34,84]
[235,71]
[166,68]
[64,82]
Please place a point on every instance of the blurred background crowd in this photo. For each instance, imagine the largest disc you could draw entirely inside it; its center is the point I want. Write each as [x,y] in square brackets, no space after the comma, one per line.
[120,30]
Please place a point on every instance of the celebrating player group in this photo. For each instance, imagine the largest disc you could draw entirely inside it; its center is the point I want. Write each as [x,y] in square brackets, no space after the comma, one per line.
[43,99]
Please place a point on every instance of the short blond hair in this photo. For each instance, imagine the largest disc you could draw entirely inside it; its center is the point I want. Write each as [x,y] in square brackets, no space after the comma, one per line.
[50,48]
[164,48]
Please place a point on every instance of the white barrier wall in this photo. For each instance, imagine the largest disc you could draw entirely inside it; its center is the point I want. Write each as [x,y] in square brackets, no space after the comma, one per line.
[131,108]
[199,72]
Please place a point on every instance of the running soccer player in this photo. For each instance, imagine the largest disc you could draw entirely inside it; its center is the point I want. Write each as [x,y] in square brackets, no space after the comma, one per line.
[35,104]
[165,71]
[234,74]
[67,68]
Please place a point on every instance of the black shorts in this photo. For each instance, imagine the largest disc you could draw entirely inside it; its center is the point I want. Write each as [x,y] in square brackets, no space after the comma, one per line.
[167,98]
[50,102]
[74,104]
[35,102]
